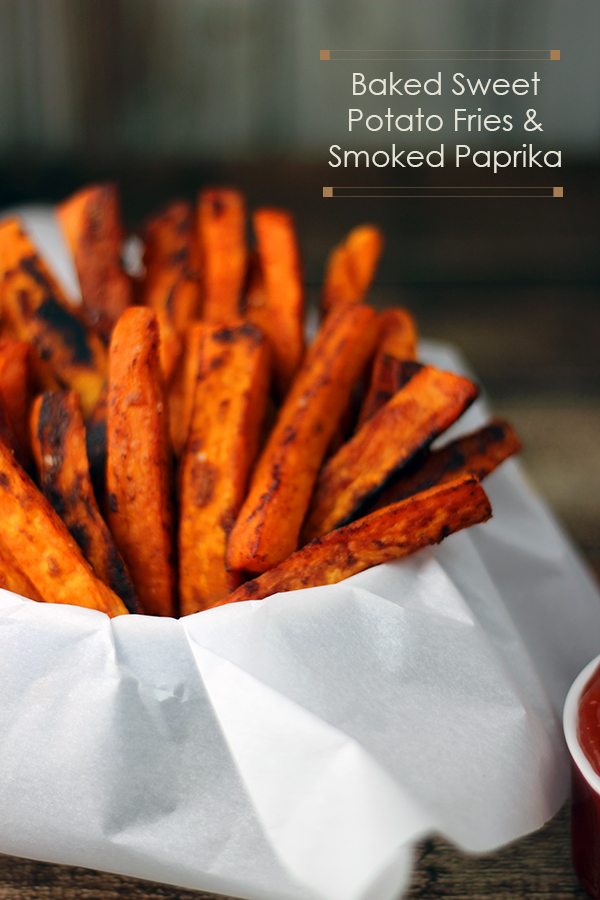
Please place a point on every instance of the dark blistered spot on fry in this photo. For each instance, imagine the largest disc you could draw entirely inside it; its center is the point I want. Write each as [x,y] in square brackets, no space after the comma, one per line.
[178,257]
[4,481]
[203,480]
[53,567]
[31,265]
[251,588]
[54,495]
[81,535]
[288,436]
[71,331]
[119,580]
[112,502]
[495,431]
[217,205]
[225,335]
[227,520]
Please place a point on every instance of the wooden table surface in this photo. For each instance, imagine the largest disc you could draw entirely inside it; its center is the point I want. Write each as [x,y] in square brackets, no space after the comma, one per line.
[533,340]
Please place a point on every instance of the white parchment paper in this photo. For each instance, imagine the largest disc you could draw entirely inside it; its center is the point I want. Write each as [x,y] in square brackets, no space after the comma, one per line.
[297,747]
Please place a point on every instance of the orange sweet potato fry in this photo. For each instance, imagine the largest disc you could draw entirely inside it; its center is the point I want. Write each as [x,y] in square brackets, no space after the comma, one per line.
[268,525]
[397,345]
[351,267]
[12,578]
[390,533]
[398,334]
[42,547]
[171,285]
[279,308]
[183,385]
[16,391]
[478,453]
[223,253]
[138,470]
[40,314]
[170,346]
[91,222]
[388,376]
[229,407]
[428,404]
[59,447]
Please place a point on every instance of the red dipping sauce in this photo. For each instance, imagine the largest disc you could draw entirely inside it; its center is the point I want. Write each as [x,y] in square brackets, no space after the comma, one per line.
[588,723]
[585,822]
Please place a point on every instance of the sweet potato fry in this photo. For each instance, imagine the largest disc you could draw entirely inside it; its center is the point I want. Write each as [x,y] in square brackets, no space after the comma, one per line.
[42,547]
[170,346]
[95,441]
[171,285]
[12,578]
[428,404]
[223,253]
[183,385]
[7,433]
[229,407]
[478,453]
[138,471]
[279,309]
[388,376]
[390,533]
[58,440]
[15,393]
[397,344]
[90,220]
[351,267]
[268,525]
[40,314]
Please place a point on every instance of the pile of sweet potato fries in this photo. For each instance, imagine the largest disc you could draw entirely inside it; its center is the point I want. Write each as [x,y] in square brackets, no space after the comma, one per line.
[171,444]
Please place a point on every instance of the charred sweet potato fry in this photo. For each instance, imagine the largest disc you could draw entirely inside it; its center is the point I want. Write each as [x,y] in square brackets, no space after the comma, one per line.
[42,547]
[390,533]
[183,385]
[12,578]
[40,314]
[388,376]
[478,453]
[229,407]
[397,345]
[268,525]
[351,267]
[58,440]
[16,391]
[221,233]
[171,285]
[138,471]
[8,435]
[279,308]
[428,404]
[91,222]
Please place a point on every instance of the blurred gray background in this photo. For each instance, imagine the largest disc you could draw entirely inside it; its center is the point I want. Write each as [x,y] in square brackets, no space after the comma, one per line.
[194,79]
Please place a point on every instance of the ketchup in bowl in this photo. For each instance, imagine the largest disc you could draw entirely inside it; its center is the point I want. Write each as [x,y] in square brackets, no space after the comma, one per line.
[588,726]
[586,800]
